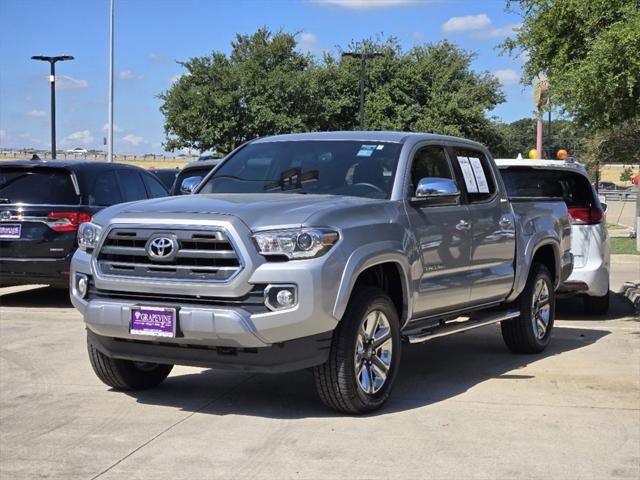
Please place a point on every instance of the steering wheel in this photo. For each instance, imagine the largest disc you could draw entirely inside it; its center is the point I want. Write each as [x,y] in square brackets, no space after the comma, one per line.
[370,185]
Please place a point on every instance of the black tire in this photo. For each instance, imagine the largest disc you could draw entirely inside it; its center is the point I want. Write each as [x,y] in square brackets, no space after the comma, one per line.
[336,380]
[125,374]
[520,334]
[596,305]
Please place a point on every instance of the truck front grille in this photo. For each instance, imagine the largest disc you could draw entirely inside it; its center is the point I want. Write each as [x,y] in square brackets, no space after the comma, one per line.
[200,256]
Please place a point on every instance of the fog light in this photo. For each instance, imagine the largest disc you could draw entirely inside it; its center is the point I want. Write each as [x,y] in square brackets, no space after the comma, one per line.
[82,284]
[279,297]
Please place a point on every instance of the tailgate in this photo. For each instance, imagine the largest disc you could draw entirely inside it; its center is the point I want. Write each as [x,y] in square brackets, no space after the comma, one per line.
[39,212]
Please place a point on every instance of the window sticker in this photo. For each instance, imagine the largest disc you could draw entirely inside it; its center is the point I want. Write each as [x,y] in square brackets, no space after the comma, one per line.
[467,173]
[366,150]
[379,147]
[481,179]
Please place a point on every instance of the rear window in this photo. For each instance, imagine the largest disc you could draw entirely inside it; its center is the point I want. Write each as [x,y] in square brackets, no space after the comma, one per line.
[37,186]
[573,187]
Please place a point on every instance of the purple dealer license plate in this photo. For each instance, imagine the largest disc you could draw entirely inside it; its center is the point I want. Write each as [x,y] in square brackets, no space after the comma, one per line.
[153,321]
[10,231]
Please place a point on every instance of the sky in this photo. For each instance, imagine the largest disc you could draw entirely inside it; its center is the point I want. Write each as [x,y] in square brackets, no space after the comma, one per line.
[152,35]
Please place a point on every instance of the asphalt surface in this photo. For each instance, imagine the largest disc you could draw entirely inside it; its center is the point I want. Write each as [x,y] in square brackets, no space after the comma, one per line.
[463,407]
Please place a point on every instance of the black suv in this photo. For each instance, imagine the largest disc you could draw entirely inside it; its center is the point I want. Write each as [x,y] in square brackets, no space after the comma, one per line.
[43,202]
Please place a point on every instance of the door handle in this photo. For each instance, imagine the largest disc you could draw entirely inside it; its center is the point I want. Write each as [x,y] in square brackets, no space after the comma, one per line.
[463,225]
[505,223]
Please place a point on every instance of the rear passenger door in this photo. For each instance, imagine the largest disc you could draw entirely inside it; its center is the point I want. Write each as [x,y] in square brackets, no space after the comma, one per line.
[443,236]
[491,271]
[131,185]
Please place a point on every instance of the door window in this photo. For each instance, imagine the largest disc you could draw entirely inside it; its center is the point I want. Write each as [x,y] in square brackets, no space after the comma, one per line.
[132,186]
[429,162]
[154,187]
[477,174]
[105,190]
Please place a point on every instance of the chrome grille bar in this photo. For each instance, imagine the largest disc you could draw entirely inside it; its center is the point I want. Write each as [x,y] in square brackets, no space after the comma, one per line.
[201,256]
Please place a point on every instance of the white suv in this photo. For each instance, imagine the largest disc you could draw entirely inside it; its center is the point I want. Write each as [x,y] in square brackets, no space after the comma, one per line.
[590,243]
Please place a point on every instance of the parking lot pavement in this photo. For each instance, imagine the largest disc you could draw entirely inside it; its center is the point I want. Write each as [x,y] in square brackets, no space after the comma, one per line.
[463,407]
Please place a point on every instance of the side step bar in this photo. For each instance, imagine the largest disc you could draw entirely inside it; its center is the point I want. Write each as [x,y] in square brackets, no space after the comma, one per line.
[460,324]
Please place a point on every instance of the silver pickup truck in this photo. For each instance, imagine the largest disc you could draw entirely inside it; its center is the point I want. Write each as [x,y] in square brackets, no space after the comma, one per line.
[322,250]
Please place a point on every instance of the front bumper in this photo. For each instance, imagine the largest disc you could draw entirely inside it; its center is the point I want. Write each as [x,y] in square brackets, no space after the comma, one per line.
[283,357]
[212,317]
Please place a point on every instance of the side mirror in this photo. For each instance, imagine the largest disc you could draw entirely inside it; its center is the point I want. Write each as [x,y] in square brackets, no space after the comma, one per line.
[435,190]
[189,184]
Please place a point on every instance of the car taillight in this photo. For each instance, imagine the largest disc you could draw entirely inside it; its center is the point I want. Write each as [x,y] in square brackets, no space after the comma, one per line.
[66,221]
[586,215]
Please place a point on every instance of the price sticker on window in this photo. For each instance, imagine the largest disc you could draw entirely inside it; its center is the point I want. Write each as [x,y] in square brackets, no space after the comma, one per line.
[467,173]
[481,179]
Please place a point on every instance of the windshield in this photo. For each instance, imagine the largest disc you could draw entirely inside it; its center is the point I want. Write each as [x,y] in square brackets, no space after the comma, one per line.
[355,168]
[37,186]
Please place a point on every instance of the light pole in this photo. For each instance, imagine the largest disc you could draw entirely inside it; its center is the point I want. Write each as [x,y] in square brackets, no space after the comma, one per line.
[110,132]
[363,56]
[52,79]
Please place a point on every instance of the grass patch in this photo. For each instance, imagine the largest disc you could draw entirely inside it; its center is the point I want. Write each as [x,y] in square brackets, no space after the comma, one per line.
[623,246]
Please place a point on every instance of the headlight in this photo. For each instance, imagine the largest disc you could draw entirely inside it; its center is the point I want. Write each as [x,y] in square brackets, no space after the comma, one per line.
[88,236]
[296,243]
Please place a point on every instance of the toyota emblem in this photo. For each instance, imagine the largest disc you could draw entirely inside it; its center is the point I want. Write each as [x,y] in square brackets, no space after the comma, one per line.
[162,248]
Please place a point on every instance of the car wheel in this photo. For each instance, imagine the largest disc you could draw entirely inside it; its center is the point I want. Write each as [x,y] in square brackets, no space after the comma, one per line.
[364,357]
[126,374]
[531,331]
[596,305]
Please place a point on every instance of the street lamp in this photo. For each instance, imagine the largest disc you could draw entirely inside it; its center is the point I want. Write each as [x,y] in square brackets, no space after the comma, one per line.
[363,58]
[52,79]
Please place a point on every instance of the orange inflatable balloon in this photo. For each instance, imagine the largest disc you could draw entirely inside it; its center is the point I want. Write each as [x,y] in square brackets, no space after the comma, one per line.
[562,154]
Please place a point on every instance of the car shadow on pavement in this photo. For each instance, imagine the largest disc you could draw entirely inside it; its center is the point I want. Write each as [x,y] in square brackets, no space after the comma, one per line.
[572,309]
[39,297]
[429,373]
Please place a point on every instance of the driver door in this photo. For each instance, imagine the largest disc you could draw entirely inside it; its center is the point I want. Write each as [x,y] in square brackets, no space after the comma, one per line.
[444,239]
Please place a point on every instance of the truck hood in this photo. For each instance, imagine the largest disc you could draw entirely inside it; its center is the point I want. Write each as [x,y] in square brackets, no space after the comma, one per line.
[256,210]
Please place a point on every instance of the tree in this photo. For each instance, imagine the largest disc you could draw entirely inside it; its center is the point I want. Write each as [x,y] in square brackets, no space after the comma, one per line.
[588,49]
[259,89]
[266,87]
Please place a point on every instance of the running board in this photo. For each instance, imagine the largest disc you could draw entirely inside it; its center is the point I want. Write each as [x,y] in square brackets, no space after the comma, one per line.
[460,324]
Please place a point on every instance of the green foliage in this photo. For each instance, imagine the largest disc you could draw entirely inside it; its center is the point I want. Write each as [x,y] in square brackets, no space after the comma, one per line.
[588,49]
[265,86]
[520,137]
[626,175]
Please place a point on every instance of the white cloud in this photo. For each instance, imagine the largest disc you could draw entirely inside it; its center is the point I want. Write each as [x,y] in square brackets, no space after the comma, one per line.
[368,4]
[125,75]
[308,43]
[507,76]
[417,37]
[37,113]
[64,82]
[155,57]
[175,78]
[3,133]
[496,32]
[116,128]
[82,137]
[468,22]
[132,139]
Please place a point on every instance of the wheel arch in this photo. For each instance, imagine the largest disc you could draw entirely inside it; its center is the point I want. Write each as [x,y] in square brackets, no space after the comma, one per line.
[388,271]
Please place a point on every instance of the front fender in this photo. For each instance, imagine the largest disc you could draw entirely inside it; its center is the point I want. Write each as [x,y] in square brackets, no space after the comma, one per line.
[368,256]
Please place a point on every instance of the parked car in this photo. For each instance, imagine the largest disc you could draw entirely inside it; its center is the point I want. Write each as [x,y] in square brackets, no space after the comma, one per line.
[166,175]
[322,250]
[77,150]
[191,176]
[590,244]
[43,202]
